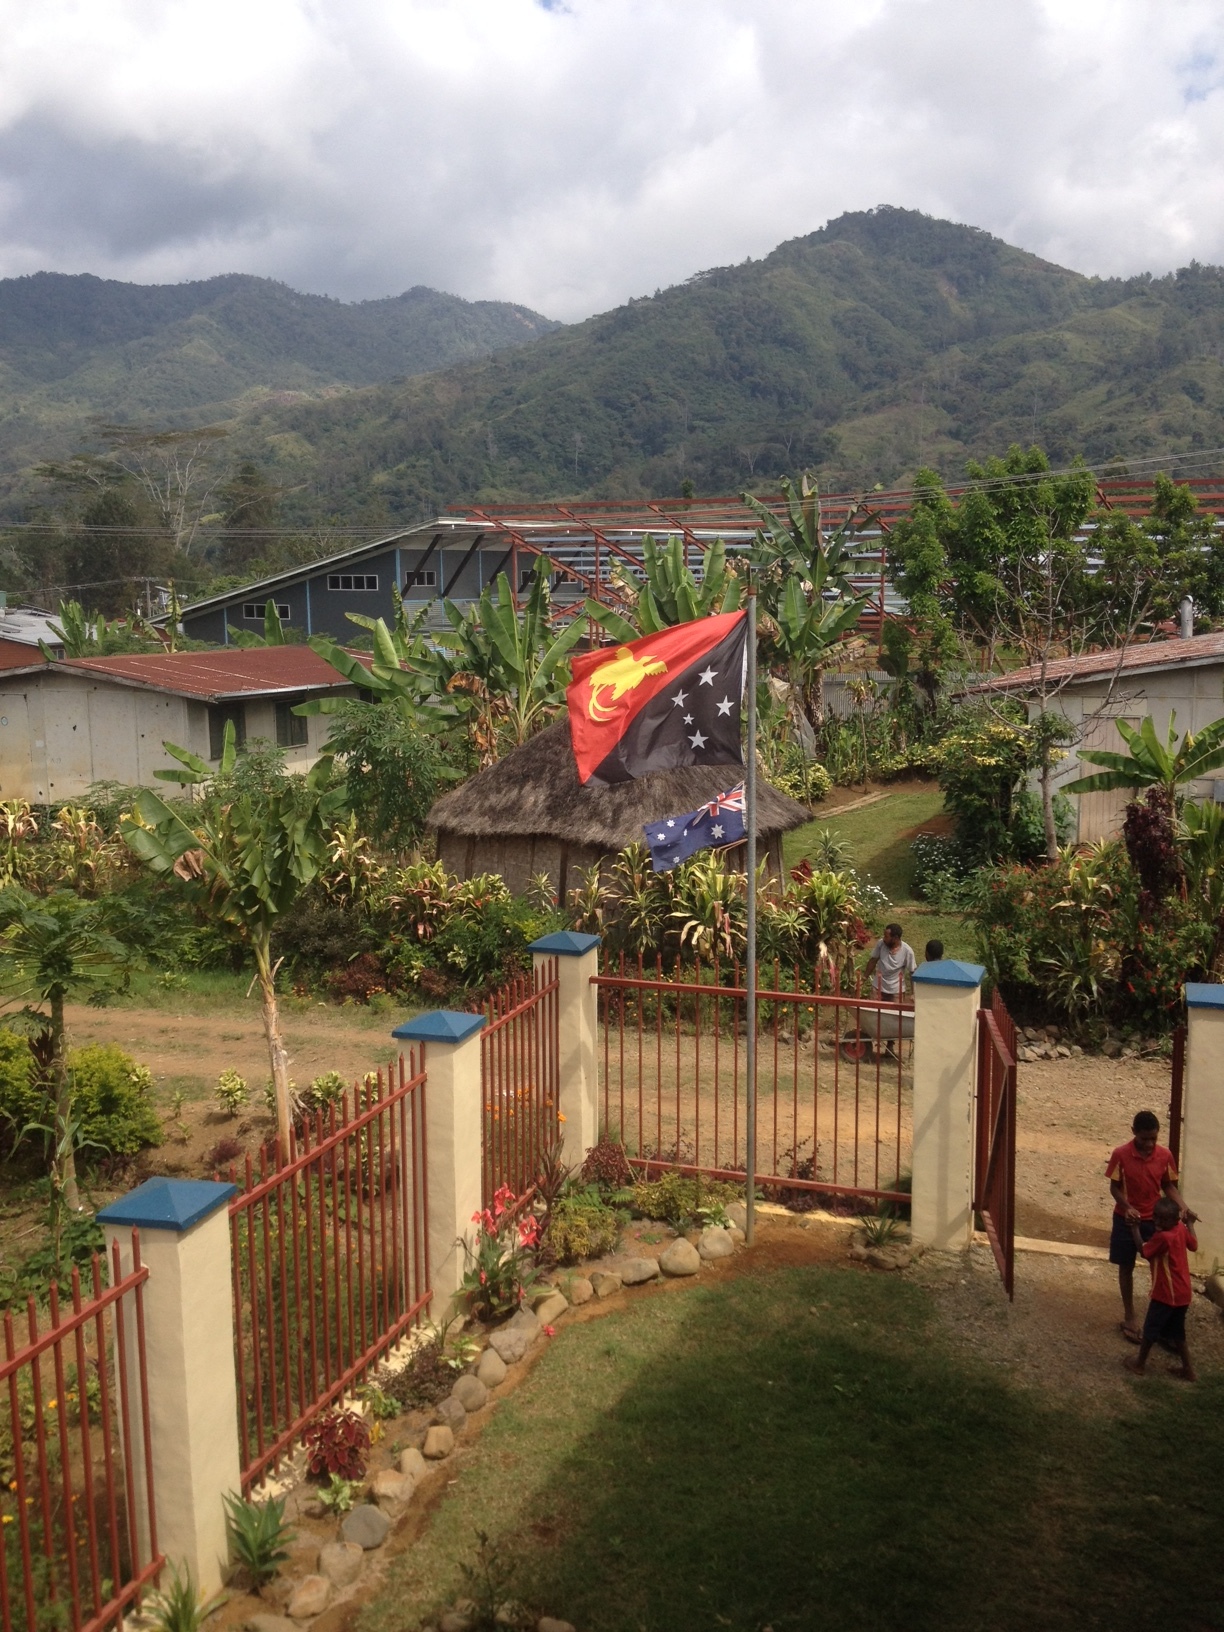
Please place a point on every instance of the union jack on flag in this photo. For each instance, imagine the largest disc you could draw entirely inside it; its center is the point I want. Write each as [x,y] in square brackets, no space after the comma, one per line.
[674,839]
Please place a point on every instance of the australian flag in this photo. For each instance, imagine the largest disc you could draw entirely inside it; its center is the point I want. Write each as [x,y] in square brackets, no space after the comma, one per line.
[675,838]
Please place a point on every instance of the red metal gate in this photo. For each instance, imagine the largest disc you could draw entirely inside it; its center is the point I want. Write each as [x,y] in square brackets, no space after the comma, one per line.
[994,1168]
[330,1261]
[78,1532]
[520,1081]
[834,1078]
[1177,1078]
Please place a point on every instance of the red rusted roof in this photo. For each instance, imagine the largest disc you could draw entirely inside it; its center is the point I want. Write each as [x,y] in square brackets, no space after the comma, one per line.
[1153,654]
[18,654]
[216,676]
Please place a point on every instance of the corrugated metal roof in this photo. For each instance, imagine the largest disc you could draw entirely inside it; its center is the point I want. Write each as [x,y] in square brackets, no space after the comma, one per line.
[1152,655]
[218,676]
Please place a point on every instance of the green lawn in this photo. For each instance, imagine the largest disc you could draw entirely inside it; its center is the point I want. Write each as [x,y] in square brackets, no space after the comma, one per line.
[804,1449]
[879,836]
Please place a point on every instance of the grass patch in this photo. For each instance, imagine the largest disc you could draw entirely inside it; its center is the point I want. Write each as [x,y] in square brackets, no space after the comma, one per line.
[879,837]
[220,992]
[723,1457]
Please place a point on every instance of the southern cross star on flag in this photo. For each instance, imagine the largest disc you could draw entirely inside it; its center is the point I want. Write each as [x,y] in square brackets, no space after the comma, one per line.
[660,702]
[674,839]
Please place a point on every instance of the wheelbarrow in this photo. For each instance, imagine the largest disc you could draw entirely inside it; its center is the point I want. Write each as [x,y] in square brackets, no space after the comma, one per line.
[871,1027]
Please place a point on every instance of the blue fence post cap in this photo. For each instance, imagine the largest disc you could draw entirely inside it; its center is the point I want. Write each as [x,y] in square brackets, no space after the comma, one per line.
[950,972]
[168,1204]
[566,943]
[1201,994]
[439,1026]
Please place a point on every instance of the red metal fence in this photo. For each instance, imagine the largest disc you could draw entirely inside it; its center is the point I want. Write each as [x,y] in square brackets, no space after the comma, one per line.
[330,1260]
[1177,1077]
[78,1534]
[520,1081]
[994,1169]
[834,1077]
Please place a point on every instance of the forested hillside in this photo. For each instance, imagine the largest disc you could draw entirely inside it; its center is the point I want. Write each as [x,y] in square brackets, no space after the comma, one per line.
[885,340]
[72,347]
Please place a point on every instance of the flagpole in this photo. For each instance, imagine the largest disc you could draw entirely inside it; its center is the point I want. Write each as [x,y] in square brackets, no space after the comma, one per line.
[750,825]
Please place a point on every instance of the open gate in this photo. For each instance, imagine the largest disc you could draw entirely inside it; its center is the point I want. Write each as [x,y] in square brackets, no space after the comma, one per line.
[994,1168]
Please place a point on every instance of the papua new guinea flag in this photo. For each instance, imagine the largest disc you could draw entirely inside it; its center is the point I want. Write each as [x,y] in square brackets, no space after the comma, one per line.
[673,839]
[664,701]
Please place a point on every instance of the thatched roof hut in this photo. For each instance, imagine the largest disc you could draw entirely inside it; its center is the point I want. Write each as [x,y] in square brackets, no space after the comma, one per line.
[529,814]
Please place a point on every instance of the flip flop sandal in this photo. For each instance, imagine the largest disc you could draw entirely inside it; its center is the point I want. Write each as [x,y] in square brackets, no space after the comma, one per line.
[1130,1333]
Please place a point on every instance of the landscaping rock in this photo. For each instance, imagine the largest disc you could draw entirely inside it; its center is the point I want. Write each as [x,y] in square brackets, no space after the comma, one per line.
[715,1243]
[1112,1048]
[450,1412]
[737,1212]
[523,1320]
[681,1258]
[392,1490]
[898,1257]
[579,1291]
[1063,1052]
[1077,1052]
[412,1463]
[512,1342]
[310,1507]
[340,1562]
[439,1442]
[636,1271]
[858,1252]
[270,1623]
[736,1235]
[277,1591]
[552,1308]
[604,1283]
[546,1623]
[455,1620]
[471,1393]
[366,1525]
[310,1599]
[492,1369]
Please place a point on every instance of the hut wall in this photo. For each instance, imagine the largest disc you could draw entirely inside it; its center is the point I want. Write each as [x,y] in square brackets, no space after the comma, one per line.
[518,859]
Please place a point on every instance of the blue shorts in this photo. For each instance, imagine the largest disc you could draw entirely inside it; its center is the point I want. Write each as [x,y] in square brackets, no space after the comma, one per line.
[1165,1323]
[1122,1248]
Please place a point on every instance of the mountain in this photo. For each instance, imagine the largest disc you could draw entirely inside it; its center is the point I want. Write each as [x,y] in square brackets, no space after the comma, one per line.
[76,346]
[883,341]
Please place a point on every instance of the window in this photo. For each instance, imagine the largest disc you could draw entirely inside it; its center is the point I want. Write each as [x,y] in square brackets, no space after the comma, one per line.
[426,578]
[217,716]
[291,728]
[254,611]
[352,580]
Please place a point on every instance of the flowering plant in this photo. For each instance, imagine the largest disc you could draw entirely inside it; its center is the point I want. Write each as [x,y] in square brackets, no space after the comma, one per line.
[500,1269]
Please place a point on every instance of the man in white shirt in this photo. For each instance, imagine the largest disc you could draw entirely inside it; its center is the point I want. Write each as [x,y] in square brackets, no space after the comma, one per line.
[891,964]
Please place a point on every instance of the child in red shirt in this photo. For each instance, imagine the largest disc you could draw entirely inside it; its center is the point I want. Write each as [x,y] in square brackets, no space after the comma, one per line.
[1139,1173]
[1166,1252]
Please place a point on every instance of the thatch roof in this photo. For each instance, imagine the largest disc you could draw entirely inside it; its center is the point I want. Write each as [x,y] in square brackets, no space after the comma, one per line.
[534,792]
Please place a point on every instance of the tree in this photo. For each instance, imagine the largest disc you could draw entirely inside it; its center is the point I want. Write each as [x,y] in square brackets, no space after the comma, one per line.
[59,947]
[806,588]
[250,857]
[178,471]
[1152,763]
[250,507]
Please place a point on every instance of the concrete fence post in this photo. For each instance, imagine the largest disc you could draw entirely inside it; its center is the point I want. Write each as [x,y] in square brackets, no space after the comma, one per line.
[454,1113]
[577,958]
[947,996]
[189,1351]
[1202,1131]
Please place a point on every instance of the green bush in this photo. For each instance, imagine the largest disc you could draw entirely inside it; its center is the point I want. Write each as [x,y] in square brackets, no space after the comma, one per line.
[582,1225]
[112,1095]
[678,1199]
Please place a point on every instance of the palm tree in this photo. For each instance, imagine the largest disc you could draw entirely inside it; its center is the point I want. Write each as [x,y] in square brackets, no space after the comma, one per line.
[251,857]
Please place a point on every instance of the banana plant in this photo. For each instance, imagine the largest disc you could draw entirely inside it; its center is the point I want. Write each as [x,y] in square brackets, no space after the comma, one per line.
[668,591]
[406,671]
[273,631]
[250,859]
[1150,762]
[806,589]
[509,660]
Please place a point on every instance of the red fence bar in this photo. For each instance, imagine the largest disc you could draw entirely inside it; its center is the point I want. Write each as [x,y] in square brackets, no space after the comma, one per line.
[73,1506]
[520,1082]
[994,1168]
[330,1259]
[1177,1079]
[834,1077]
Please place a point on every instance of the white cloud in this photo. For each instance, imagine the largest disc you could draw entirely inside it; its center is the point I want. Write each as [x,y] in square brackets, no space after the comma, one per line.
[573,154]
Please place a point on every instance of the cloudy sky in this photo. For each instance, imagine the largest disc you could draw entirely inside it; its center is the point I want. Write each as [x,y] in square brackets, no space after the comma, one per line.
[572,153]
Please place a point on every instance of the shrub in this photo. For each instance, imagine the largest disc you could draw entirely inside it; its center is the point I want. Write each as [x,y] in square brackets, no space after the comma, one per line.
[678,1199]
[500,1272]
[607,1166]
[232,1091]
[582,1225]
[427,1378]
[223,1153]
[802,778]
[112,1095]
[337,1445]
[258,1535]
[358,981]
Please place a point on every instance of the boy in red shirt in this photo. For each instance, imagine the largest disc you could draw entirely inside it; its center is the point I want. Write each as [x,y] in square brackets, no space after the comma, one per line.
[1139,1173]
[1166,1252]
